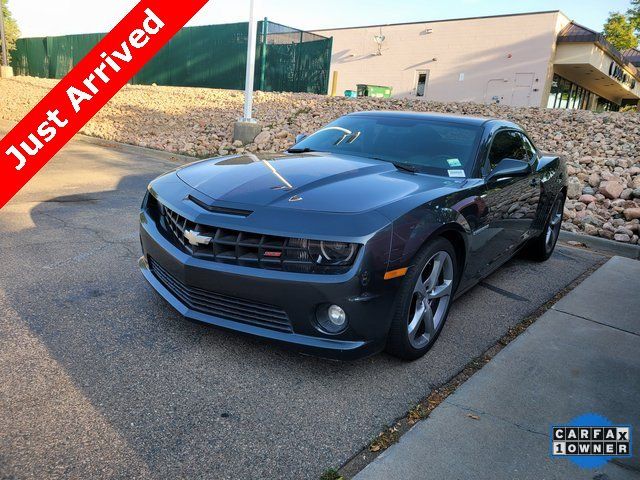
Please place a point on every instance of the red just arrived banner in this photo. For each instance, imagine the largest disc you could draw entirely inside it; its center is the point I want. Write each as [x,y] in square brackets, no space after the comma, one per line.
[86,88]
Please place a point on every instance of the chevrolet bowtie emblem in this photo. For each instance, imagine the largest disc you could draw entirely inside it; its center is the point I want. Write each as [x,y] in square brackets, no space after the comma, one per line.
[196,238]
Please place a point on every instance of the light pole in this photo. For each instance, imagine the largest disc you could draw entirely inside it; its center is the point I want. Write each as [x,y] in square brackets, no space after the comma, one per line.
[251,66]
[247,128]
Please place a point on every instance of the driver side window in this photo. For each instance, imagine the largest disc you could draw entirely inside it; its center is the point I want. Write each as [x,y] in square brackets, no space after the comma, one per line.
[509,144]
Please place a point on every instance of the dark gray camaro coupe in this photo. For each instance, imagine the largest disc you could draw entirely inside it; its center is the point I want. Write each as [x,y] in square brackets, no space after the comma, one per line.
[359,237]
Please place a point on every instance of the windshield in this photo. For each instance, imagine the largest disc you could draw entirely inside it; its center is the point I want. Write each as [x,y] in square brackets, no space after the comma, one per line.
[424,145]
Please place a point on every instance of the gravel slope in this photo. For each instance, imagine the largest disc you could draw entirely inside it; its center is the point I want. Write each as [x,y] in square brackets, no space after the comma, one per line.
[602,149]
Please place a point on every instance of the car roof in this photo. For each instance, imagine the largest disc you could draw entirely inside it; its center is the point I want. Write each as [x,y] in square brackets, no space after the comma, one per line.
[442,117]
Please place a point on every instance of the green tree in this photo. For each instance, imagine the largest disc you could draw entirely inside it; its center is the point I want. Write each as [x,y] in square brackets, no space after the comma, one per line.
[11,30]
[619,31]
[634,15]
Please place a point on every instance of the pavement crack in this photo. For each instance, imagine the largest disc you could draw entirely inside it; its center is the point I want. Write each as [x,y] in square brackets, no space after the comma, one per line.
[55,217]
[123,243]
[596,322]
[490,415]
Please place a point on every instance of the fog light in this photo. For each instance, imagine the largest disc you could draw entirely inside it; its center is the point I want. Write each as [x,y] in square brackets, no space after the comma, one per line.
[331,318]
[337,315]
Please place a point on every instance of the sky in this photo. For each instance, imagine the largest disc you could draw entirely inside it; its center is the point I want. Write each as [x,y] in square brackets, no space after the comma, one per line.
[62,17]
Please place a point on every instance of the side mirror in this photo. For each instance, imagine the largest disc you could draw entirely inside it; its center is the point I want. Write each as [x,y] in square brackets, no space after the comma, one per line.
[300,137]
[509,168]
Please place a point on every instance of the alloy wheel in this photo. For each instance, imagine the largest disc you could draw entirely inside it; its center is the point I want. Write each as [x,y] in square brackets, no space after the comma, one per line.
[553,227]
[430,299]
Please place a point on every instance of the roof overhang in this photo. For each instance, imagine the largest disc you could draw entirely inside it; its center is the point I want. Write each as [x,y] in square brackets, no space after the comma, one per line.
[588,65]
[576,33]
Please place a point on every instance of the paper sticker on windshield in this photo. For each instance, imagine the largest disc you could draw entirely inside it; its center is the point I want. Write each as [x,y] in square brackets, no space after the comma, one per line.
[454,162]
[456,173]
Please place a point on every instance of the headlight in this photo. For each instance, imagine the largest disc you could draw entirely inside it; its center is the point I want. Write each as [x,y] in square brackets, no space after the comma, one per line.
[332,253]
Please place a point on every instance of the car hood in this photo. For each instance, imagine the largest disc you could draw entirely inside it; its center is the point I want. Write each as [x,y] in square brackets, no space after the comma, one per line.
[310,181]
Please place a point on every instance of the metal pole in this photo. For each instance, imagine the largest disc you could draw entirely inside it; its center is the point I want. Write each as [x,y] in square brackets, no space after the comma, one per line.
[5,63]
[263,52]
[251,66]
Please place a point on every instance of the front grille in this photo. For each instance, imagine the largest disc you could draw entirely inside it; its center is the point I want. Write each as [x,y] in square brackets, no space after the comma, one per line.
[223,306]
[241,248]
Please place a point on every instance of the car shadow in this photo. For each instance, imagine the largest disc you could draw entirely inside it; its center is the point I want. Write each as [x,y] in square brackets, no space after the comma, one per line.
[172,387]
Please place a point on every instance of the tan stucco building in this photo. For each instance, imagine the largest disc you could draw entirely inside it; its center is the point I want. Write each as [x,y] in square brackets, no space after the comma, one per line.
[532,59]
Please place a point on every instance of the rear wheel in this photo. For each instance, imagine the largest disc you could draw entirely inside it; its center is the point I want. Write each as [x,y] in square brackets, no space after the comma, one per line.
[541,247]
[423,301]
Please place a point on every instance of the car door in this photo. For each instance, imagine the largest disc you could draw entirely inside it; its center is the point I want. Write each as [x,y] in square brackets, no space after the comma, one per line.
[511,202]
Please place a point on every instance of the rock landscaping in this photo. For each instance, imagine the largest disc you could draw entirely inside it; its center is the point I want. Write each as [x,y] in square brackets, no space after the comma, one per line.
[601,149]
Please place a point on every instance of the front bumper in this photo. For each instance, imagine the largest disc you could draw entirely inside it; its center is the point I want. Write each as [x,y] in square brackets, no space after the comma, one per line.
[298,294]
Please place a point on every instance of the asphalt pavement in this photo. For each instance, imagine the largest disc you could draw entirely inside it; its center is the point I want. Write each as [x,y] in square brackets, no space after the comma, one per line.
[581,357]
[99,378]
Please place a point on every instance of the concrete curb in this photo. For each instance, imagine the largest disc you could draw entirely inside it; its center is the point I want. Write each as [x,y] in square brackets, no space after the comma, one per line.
[508,406]
[126,147]
[174,157]
[603,245]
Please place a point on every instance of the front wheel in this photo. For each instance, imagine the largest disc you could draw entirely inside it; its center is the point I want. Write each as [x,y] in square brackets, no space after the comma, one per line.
[423,301]
[541,247]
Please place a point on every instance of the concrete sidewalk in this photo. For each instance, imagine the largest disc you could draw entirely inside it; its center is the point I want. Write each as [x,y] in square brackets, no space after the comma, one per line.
[582,356]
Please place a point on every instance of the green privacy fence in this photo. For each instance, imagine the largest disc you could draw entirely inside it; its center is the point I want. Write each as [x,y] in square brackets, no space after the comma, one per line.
[287,59]
[51,57]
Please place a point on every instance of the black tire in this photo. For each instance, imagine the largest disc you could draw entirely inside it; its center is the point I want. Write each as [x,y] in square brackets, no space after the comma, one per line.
[541,247]
[399,343]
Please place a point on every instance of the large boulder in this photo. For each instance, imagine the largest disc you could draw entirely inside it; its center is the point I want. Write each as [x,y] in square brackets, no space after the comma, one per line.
[262,138]
[611,189]
[574,188]
[632,213]
[587,199]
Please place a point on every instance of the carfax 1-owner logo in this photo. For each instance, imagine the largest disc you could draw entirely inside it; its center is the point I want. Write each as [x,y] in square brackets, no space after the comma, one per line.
[591,441]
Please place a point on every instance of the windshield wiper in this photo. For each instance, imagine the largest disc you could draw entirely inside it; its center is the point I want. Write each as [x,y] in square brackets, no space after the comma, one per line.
[405,166]
[301,150]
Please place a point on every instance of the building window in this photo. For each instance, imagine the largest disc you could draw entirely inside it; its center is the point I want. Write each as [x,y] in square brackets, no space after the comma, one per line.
[605,105]
[562,98]
[568,95]
[551,103]
[422,84]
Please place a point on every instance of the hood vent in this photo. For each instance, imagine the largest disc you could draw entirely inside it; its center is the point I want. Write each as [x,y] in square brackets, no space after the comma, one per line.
[236,212]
